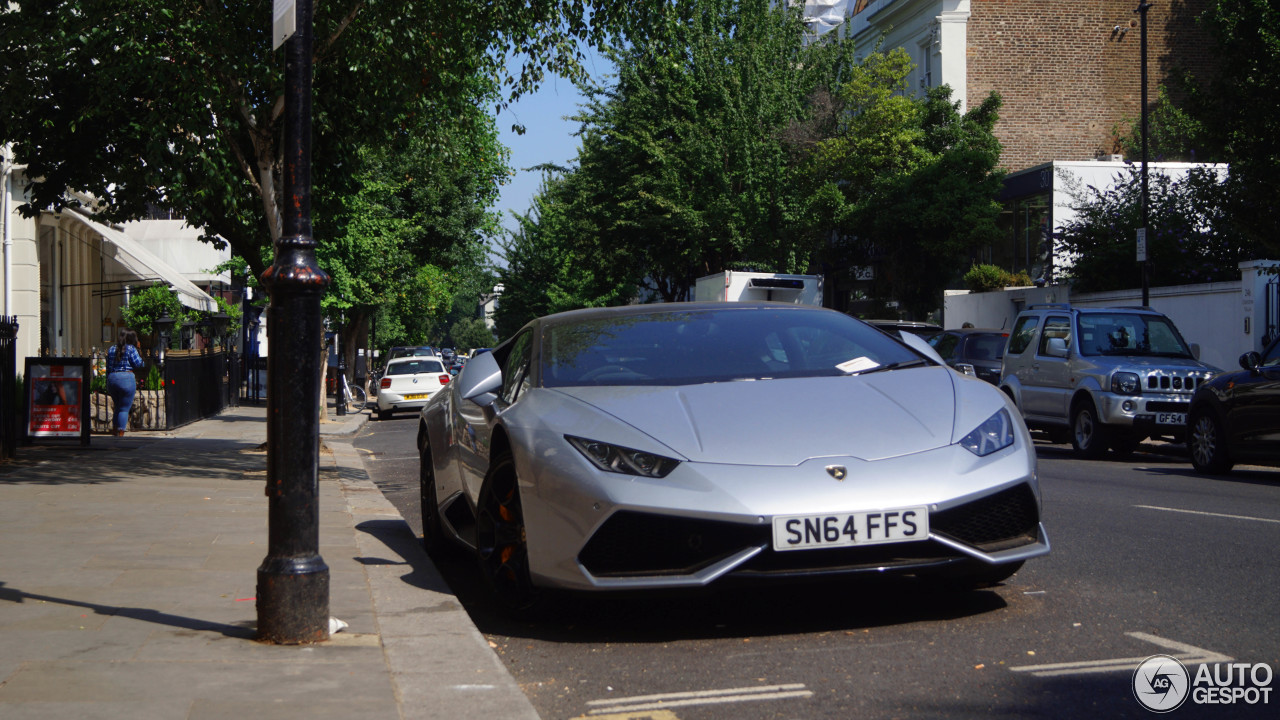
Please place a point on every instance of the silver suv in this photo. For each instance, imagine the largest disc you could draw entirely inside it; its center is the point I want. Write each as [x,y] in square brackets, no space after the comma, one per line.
[1105,377]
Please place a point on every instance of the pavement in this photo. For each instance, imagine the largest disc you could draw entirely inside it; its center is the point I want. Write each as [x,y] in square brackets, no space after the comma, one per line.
[129,571]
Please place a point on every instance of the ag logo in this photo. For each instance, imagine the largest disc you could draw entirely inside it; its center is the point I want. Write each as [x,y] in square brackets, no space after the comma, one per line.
[837,471]
[1160,683]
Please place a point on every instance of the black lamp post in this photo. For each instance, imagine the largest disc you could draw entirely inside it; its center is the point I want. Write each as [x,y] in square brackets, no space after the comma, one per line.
[342,365]
[1146,281]
[293,580]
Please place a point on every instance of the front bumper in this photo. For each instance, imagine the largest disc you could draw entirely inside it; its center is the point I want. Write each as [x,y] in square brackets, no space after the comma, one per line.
[692,532]
[1144,411]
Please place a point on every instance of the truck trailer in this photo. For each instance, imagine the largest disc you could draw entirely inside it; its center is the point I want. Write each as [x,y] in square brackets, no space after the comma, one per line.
[733,286]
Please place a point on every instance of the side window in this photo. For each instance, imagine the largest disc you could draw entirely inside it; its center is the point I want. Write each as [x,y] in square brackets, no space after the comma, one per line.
[515,372]
[1055,327]
[1023,331]
[945,344]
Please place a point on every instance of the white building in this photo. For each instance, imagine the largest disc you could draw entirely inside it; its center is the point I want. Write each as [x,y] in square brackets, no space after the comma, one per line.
[66,275]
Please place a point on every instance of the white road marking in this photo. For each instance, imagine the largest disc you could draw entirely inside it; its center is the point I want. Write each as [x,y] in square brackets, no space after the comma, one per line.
[701,697]
[1185,653]
[1210,514]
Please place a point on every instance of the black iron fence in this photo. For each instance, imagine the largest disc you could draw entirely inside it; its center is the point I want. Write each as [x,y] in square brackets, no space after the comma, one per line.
[195,387]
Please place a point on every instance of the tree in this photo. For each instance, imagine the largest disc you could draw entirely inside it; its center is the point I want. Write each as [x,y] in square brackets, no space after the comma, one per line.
[148,304]
[180,104]
[472,333]
[409,236]
[684,169]
[1228,115]
[1189,235]
[908,184]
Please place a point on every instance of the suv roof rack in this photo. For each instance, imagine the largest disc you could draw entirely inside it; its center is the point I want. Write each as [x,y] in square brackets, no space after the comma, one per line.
[1050,306]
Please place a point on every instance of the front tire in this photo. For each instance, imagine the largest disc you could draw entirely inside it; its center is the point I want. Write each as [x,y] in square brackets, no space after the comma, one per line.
[502,549]
[1089,436]
[1207,441]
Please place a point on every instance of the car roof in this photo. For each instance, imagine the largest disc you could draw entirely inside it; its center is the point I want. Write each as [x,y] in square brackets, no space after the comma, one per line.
[1060,307]
[587,314]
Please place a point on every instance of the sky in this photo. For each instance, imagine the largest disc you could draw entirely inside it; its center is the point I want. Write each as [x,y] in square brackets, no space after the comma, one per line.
[548,138]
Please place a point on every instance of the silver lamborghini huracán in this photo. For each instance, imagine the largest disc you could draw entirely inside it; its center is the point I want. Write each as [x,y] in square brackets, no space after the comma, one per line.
[681,445]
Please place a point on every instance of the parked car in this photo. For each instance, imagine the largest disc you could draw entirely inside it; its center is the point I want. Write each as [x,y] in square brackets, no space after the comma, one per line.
[408,382]
[412,351]
[1235,417]
[924,330]
[1101,377]
[973,351]
[685,445]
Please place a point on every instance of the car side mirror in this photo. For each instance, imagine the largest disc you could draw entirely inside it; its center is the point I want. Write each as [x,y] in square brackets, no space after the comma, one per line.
[1195,350]
[917,343]
[1251,361]
[1057,347]
[479,378]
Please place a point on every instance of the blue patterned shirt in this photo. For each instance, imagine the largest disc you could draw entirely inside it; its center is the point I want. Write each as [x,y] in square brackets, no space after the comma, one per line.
[131,359]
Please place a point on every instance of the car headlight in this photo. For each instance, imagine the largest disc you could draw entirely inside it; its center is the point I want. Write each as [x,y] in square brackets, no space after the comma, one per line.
[618,459]
[996,433]
[1126,383]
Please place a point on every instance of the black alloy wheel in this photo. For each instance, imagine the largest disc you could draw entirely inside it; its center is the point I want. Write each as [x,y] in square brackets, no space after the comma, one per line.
[1207,441]
[501,544]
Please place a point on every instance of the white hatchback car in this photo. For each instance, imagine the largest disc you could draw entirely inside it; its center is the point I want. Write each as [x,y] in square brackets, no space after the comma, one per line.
[407,382]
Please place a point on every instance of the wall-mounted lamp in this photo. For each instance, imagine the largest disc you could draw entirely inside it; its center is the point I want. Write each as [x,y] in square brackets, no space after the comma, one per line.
[164,330]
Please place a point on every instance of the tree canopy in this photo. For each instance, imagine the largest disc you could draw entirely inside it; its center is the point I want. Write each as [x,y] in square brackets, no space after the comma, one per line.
[1228,115]
[1189,235]
[728,142]
[180,104]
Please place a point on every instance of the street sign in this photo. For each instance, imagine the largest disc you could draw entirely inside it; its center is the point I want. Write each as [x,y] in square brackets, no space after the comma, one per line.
[284,22]
[1142,244]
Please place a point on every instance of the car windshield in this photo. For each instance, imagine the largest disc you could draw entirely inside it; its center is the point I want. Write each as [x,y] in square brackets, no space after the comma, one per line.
[414,367]
[702,346]
[1129,334]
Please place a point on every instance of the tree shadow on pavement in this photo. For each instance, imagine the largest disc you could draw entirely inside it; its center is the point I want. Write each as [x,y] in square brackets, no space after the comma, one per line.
[78,465]
[244,632]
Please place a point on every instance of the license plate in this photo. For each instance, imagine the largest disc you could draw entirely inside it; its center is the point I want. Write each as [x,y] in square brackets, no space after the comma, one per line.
[1169,418]
[809,532]
[417,396]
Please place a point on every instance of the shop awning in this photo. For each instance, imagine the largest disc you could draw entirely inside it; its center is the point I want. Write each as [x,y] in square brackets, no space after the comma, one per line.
[145,265]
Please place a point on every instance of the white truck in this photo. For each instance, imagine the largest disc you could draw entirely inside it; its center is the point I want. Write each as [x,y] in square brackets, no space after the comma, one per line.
[733,286]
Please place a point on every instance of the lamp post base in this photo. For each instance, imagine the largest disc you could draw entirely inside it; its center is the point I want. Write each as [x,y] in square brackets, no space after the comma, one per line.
[293,601]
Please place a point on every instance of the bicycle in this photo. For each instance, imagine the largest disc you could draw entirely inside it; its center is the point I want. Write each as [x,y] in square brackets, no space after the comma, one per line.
[354,395]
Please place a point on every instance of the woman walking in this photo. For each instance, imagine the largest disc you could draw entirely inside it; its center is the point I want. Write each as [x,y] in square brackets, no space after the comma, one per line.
[122,358]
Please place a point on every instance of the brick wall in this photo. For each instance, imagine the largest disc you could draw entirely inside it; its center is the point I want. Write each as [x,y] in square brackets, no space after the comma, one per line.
[1067,79]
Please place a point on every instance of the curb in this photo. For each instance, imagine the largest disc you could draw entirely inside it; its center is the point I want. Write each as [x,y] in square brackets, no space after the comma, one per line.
[440,663]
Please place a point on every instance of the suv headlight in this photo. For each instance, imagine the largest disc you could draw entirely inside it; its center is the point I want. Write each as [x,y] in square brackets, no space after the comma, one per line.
[618,459]
[1126,383]
[996,433]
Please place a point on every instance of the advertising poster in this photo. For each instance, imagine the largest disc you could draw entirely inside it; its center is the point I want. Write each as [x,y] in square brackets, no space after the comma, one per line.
[55,406]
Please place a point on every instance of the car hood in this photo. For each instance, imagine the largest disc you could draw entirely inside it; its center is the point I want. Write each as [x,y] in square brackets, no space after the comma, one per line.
[1153,362]
[787,421]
